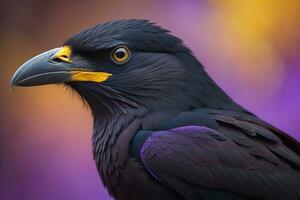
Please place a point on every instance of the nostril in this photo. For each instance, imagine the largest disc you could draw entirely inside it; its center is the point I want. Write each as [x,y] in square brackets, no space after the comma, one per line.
[62,55]
[61,58]
[57,60]
[64,58]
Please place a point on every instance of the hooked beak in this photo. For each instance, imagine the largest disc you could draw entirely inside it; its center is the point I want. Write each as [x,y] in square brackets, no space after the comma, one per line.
[53,66]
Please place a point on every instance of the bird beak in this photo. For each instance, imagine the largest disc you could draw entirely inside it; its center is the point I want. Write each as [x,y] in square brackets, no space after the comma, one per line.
[53,66]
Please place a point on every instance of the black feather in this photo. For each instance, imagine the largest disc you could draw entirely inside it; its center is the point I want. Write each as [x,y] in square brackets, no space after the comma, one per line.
[163,129]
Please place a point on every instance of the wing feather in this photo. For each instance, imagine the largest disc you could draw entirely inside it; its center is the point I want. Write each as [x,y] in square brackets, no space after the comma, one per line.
[238,157]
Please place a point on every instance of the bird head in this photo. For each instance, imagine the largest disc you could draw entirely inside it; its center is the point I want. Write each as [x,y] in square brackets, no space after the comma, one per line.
[124,64]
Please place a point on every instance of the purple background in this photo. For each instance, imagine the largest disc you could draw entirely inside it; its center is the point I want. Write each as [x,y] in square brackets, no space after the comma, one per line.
[250,48]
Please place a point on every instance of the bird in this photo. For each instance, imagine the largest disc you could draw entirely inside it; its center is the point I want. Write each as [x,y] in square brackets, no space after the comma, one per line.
[162,128]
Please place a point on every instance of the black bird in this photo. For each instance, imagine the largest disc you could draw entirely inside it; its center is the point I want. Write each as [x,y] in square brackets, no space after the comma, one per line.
[163,129]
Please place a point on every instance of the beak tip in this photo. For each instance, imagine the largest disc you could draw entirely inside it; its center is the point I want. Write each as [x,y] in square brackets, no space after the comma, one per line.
[14,81]
[11,88]
[12,84]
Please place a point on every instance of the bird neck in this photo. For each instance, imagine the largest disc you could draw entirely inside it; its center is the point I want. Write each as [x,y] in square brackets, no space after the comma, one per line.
[106,130]
[111,114]
[111,138]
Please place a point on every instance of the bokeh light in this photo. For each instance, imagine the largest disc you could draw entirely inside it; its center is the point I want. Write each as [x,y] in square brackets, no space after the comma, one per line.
[251,48]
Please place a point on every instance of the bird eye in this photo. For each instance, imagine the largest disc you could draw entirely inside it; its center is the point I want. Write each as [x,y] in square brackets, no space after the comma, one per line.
[121,54]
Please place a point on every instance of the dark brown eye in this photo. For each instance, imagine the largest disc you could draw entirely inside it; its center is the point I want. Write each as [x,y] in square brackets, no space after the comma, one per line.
[120,54]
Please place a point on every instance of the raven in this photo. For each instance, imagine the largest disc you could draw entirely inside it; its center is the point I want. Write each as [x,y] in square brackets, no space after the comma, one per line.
[163,129]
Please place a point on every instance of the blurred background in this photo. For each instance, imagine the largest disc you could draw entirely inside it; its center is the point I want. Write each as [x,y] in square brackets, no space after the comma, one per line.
[251,48]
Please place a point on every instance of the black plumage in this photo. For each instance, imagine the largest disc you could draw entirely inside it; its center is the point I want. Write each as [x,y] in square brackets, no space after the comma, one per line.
[162,128]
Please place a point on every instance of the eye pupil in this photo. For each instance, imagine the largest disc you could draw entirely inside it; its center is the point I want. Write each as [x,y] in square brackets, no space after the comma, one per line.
[120,53]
